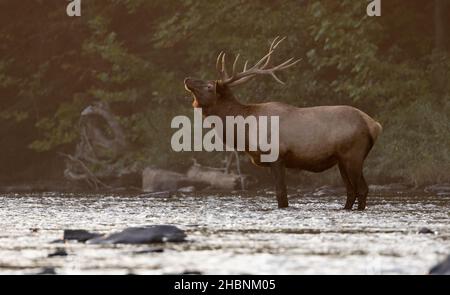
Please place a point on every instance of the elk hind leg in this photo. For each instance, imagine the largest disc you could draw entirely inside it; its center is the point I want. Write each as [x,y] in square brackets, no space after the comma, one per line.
[354,172]
[351,192]
[363,190]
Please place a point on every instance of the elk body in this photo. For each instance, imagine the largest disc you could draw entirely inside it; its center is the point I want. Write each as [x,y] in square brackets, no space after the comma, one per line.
[312,139]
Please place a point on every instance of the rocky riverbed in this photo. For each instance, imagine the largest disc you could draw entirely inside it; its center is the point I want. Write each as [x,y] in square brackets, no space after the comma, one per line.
[401,232]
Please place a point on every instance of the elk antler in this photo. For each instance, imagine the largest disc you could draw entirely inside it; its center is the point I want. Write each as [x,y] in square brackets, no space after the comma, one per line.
[260,68]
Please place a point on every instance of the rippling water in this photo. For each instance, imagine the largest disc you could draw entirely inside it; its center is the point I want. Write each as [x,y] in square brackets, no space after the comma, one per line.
[228,234]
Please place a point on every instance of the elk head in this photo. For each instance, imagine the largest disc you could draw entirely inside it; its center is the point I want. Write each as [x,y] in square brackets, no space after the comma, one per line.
[207,93]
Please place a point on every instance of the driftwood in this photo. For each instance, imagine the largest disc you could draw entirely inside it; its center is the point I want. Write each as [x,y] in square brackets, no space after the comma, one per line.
[102,136]
[98,160]
[198,176]
[102,143]
[157,180]
[216,177]
[85,174]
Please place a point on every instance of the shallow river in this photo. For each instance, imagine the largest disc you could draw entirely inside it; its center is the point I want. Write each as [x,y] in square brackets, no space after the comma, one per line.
[233,234]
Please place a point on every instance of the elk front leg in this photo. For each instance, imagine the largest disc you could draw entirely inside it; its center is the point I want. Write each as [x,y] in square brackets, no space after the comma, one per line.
[278,172]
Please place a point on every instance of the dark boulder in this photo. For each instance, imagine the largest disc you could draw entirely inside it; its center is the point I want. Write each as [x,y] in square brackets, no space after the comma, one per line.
[79,235]
[143,235]
[425,231]
[57,241]
[58,252]
[148,251]
[442,268]
[192,272]
[47,271]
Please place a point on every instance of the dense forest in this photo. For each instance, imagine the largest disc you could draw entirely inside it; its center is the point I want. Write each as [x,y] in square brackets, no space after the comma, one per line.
[134,55]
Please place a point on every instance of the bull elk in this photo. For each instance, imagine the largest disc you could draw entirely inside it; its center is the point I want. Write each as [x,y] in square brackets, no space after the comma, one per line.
[313,139]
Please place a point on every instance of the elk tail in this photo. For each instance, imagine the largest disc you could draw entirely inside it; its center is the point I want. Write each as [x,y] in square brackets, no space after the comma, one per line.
[375,130]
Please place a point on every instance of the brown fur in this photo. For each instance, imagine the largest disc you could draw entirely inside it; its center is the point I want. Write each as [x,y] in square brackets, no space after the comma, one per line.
[312,139]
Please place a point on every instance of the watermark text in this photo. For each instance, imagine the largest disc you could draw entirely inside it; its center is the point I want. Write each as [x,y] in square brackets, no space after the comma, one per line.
[249,134]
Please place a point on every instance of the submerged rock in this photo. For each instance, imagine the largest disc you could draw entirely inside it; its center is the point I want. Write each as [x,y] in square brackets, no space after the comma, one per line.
[192,272]
[47,271]
[143,235]
[442,268]
[79,235]
[58,241]
[58,252]
[425,230]
[148,251]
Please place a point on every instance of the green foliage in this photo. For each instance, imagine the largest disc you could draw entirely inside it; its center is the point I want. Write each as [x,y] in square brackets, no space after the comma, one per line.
[135,55]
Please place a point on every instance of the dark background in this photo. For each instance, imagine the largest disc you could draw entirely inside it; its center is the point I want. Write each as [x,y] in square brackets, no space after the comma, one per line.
[134,55]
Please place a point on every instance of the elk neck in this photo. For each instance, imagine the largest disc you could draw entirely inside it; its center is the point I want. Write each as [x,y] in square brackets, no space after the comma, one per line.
[227,105]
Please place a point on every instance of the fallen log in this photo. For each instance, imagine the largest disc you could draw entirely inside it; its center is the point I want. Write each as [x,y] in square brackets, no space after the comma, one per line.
[158,180]
[198,176]
[216,177]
